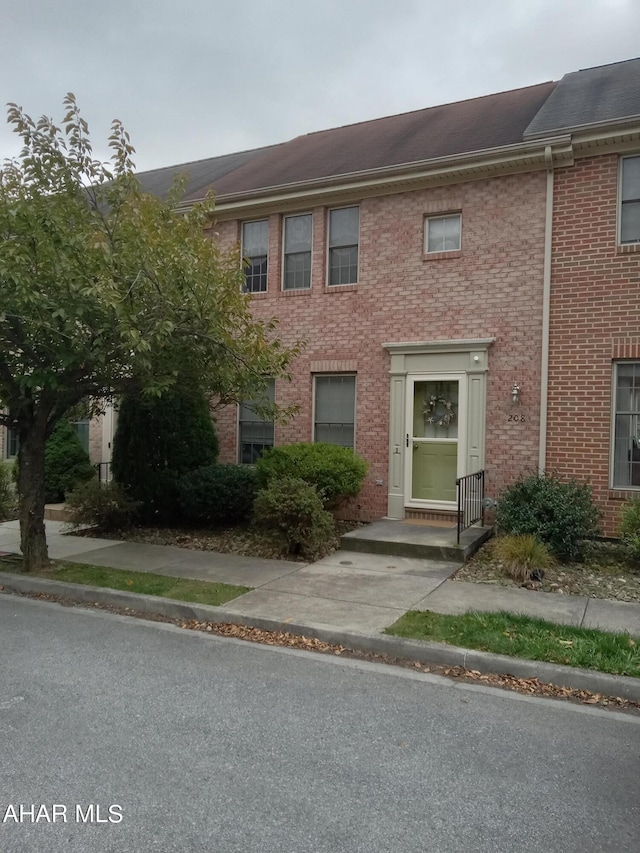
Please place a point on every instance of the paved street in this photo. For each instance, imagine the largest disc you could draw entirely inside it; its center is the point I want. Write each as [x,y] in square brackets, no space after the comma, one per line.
[216,745]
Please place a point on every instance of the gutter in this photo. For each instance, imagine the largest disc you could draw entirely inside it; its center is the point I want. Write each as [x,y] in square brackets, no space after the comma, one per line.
[546,309]
[528,152]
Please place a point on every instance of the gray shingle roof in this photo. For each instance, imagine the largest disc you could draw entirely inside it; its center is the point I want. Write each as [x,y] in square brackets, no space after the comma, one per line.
[592,96]
[199,174]
[606,93]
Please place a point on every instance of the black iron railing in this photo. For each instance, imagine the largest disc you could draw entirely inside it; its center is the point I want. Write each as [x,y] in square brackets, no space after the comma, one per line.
[470,500]
[104,472]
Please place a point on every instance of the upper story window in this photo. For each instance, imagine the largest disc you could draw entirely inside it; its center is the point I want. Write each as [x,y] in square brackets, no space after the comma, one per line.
[344,224]
[443,233]
[255,251]
[626,442]
[630,200]
[297,252]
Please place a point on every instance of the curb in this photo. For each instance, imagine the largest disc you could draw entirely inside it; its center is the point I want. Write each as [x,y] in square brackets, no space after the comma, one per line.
[425,652]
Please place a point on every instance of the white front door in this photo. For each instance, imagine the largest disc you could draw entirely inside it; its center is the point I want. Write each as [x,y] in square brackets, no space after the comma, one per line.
[435,439]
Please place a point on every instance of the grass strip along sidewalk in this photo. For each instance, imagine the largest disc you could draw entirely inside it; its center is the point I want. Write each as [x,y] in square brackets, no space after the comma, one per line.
[147,583]
[520,636]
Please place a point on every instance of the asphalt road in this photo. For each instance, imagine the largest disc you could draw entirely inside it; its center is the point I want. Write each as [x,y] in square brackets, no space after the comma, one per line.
[205,744]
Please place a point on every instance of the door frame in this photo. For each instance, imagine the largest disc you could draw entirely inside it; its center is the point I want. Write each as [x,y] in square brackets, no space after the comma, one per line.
[431,358]
[412,378]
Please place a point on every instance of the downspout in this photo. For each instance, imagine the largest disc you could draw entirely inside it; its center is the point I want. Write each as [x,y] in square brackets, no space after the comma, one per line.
[546,307]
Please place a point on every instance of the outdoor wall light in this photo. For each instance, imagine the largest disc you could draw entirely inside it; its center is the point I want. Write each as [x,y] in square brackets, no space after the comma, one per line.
[515,393]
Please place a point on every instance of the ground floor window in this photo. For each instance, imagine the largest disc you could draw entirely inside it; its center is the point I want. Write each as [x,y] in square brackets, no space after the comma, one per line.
[626,446]
[11,443]
[255,432]
[81,428]
[334,410]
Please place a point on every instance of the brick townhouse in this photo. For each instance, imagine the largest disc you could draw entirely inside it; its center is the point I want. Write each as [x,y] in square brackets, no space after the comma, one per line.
[465,278]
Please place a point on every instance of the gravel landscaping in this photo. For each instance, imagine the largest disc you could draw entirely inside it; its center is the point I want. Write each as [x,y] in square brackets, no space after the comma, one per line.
[245,541]
[605,572]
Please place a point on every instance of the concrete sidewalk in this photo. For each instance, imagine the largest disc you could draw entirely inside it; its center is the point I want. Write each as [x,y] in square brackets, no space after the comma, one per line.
[348,590]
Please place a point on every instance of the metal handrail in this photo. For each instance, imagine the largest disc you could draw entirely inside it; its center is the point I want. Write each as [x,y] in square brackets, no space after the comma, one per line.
[470,491]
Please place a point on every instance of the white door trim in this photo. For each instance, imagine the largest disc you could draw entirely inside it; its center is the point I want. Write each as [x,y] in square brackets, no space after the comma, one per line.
[412,378]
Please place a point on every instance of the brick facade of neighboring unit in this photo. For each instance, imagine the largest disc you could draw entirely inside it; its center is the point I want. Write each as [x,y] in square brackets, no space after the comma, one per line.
[492,288]
[594,322]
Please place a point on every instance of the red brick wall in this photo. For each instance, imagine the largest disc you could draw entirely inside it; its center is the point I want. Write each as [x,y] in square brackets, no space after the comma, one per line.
[492,288]
[594,303]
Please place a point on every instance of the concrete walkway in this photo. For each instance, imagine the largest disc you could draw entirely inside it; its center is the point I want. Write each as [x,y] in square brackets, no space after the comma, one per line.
[349,590]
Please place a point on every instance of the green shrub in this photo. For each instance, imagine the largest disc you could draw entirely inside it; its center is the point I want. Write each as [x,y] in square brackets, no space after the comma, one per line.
[292,511]
[66,463]
[336,472]
[522,554]
[105,506]
[630,527]
[218,494]
[8,502]
[158,441]
[559,513]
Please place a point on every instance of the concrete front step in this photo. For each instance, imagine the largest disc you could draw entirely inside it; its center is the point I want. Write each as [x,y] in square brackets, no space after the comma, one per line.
[404,539]
[57,512]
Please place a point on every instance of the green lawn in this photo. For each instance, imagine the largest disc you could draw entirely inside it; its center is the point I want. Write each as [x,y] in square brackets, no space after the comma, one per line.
[519,636]
[182,589]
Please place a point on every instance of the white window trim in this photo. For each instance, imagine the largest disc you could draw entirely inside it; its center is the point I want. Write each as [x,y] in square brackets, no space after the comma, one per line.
[328,238]
[284,254]
[239,434]
[619,205]
[355,403]
[242,252]
[612,427]
[429,218]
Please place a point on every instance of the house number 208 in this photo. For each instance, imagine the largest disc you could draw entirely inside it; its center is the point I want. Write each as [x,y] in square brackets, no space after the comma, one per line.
[516,419]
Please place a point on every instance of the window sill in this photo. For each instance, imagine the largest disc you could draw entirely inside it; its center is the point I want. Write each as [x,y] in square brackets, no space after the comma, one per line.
[441,256]
[627,248]
[259,294]
[300,291]
[623,493]
[340,288]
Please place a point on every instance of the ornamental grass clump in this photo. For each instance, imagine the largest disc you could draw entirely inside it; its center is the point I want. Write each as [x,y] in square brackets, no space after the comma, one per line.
[522,555]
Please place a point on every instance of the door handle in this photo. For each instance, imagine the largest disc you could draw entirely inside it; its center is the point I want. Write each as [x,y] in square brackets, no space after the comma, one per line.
[407,439]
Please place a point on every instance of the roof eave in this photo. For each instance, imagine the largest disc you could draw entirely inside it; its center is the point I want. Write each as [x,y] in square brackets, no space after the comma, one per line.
[528,154]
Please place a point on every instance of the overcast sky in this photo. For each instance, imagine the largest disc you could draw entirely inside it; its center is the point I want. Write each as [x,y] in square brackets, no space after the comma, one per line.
[196,78]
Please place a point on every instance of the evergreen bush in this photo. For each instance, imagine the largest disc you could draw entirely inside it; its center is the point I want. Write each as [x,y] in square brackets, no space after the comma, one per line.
[159,440]
[292,511]
[336,472]
[560,513]
[218,494]
[104,506]
[8,503]
[630,527]
[66,463]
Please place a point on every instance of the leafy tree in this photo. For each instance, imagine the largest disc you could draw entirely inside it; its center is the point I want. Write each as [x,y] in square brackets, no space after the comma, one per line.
[104,291]
[158,440]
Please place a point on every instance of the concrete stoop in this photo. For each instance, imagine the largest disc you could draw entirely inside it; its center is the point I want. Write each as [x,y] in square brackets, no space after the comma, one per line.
[57,512]
[404,539]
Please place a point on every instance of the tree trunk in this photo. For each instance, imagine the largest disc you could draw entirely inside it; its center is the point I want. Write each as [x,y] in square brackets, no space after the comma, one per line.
[31,497]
